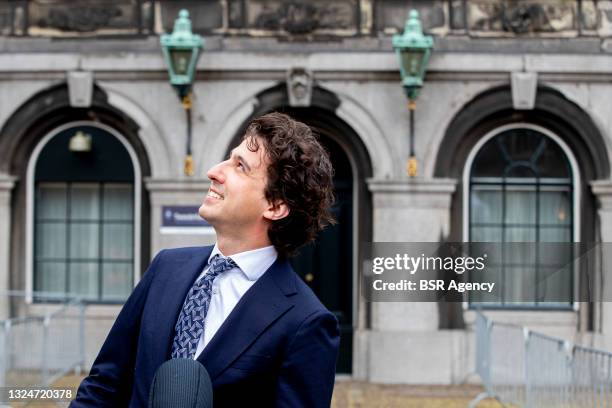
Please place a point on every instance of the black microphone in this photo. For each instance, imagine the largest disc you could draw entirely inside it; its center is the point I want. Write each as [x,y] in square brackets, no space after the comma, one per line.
[181,382]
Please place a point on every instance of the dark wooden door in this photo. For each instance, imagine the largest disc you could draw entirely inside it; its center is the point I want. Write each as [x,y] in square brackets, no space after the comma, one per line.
[327,264]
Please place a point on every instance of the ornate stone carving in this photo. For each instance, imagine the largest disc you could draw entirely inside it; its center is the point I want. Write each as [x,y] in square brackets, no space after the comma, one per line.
[5,19]
[521,17]
[391,15]
[525,18]
[80,18]
[299,86]
[295,17]
[299,17]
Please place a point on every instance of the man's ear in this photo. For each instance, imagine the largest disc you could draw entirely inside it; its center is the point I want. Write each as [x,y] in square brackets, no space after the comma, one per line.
[276,211]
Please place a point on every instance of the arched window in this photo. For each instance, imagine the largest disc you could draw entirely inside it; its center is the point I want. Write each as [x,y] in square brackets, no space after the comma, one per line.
[83,215]
[522,189]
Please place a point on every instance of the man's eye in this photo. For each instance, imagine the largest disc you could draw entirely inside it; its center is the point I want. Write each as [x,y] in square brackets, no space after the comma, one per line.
[241,165]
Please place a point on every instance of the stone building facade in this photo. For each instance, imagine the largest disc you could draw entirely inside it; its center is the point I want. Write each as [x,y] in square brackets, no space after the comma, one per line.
[507,71]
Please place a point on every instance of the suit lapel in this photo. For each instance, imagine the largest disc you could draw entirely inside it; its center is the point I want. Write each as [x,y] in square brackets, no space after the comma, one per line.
[175,290]
[261,305]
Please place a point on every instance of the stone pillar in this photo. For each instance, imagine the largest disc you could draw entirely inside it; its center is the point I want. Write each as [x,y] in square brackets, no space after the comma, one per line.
[414,210]
[602,189]
[187,192]
[6,186]
[404,344]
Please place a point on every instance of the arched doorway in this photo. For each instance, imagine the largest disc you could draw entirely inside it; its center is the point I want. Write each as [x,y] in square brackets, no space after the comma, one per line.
[329,265]
[83,217]
[30,127]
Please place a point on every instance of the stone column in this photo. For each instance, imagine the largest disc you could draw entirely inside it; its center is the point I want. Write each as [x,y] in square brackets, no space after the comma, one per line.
[404,343]
[188,192]
[6,186]
[415,210]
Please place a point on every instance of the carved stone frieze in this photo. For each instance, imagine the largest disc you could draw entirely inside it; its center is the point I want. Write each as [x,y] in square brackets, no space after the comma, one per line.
[91,17]
[522,17]
[309,19]
[80,18]
[300,17]
[391,15]
[5,19]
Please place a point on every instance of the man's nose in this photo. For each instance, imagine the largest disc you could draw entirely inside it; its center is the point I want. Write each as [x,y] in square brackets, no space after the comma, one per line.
[215,173]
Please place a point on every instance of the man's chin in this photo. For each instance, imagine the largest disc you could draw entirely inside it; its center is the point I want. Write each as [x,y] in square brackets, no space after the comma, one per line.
[205,214]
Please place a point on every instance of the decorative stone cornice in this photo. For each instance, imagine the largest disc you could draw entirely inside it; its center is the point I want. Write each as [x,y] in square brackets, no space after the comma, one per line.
[435,185]
[185,191]
[412,193]
[180,185]
[6,186]
[7,182]
[603,190]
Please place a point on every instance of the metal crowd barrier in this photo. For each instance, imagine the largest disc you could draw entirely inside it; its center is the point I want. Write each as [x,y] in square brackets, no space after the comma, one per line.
[40,343]
[523,368]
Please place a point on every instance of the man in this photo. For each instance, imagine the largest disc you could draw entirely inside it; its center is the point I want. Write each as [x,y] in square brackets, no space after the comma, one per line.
[237,307]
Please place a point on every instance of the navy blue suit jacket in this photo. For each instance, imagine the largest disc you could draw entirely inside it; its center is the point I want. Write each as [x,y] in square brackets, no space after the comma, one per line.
[277,348]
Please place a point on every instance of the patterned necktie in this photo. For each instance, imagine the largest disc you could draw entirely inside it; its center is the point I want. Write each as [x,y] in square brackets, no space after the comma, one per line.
[190,324]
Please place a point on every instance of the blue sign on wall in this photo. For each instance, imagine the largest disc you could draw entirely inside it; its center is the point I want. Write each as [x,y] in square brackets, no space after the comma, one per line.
[182,216]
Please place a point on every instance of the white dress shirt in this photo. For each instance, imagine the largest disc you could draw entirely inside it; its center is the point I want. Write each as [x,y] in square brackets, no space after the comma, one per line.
[231,285]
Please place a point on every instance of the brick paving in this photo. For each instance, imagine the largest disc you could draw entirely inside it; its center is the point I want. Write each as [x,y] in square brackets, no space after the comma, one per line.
[359,394]
[356,394]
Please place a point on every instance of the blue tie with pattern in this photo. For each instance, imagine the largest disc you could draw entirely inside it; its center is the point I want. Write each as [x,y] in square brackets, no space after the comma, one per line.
[190,324]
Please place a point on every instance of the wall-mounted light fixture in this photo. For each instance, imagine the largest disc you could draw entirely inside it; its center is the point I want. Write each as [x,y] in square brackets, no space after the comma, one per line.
[80,142]
[413,50]
[181,51]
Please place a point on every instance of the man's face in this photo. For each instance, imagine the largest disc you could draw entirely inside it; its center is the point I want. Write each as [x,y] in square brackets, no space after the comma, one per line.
[236,196]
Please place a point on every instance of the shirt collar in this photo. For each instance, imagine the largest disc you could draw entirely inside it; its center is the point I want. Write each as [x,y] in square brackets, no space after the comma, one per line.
[253,263]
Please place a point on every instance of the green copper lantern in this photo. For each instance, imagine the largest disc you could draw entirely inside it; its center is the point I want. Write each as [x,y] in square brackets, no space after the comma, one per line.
[413,50]
[181,51]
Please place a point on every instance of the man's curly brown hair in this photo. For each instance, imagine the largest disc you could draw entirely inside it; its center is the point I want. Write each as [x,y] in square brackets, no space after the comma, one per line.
[299,174]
